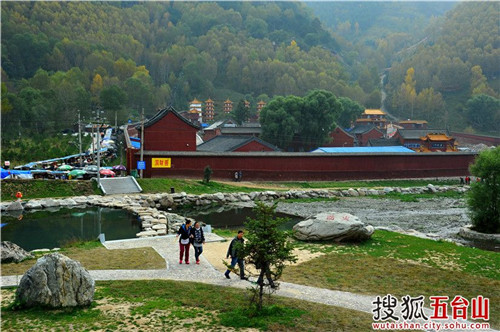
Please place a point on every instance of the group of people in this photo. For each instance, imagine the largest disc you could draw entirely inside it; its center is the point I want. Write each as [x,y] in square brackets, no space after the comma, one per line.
[193,235]
[188,235]
[467,179]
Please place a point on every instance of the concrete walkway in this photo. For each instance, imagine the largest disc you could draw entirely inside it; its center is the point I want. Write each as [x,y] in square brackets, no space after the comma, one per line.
[167,247]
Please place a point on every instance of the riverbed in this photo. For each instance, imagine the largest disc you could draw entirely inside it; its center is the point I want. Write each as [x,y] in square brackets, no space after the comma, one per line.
[437,218]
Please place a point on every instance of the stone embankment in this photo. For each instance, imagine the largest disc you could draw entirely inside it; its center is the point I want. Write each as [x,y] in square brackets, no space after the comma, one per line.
[153,209]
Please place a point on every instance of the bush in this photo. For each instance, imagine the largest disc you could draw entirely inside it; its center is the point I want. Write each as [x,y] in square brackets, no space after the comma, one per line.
[484,196]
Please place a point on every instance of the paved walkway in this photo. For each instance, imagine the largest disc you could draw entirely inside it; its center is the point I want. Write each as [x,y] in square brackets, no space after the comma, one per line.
[167,246]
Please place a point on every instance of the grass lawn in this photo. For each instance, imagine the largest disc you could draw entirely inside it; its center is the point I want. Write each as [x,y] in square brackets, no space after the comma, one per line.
[160,305]
[47,188]
[94,256]
[397,264]
[157,185]
[361,184]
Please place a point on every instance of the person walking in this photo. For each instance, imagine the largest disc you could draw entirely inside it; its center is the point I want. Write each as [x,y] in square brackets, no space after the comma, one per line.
[184,241]
[233,252]
[198,239]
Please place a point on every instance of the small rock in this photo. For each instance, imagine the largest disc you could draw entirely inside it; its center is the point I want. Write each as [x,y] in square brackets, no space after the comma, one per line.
[11,252]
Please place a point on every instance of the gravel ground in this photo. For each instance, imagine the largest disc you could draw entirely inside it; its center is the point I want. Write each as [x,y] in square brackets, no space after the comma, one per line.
[438,218]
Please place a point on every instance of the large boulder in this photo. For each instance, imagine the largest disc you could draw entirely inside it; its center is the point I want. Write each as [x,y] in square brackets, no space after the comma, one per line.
[332,226]
[11,252]
[56,281]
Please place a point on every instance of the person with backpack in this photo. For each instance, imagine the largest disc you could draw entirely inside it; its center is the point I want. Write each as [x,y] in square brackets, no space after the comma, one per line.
[185,240]
[231,251]
[198,239]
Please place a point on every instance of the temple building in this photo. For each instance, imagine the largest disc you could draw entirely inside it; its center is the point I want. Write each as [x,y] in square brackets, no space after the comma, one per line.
[228,106]
[195,107]
[209,113]
[372,116]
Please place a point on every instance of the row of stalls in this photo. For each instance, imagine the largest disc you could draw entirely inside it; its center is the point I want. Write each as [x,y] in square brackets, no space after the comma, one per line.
[76,166]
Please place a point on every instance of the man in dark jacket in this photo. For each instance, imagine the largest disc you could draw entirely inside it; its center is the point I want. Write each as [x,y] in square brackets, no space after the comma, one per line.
[231,251]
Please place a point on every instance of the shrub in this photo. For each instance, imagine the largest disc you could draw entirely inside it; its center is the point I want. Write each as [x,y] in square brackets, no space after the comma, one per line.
[484,196]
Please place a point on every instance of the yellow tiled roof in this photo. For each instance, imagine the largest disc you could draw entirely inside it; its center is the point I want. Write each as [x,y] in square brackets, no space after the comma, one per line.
[373,112]
[437,137]
[196,101]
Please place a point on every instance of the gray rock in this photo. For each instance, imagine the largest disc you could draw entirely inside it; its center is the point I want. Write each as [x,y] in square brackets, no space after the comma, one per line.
[15,206]
[47,203]
[332,226]
[353,192]
[11,252]
[33,204]
[431,188]
[56,281]
[146,233]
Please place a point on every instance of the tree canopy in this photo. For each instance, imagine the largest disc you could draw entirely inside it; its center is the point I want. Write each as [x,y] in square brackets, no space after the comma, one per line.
[300,122]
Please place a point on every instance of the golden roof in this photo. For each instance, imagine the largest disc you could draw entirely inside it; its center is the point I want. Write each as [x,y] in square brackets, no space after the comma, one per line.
[373,112]
[195,101]
[194,110]
[436,137]
[261,102]
[209,101]
[228,101]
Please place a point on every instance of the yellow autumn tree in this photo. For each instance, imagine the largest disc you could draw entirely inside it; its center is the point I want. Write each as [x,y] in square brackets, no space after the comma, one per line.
[96,85]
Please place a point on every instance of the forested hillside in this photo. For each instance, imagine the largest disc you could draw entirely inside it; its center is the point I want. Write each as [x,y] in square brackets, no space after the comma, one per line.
[452,79]
[443,57]
[60,57]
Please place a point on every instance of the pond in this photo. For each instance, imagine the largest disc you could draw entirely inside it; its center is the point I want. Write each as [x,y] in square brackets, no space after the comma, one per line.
[50,229]
[232,217]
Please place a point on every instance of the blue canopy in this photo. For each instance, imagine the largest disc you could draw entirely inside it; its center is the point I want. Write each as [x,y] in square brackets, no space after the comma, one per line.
[365,149]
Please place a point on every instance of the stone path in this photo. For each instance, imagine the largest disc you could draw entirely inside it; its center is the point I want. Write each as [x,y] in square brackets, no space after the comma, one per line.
[167,247]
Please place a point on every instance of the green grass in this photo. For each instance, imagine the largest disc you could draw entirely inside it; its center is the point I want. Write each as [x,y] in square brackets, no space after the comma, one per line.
[46,188]
[173,305]
[417,197]
[363,184]
[196,187]
[399,264]
[94,256]
[436,254]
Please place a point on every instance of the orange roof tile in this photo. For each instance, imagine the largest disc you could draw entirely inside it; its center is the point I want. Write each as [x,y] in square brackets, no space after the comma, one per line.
[195,101]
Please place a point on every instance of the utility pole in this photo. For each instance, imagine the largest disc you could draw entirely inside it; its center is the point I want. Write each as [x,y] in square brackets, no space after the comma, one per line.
[142,139]
[80,138]
[98,149]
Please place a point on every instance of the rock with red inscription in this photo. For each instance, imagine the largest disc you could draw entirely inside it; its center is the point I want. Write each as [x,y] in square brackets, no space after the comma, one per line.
[333,226]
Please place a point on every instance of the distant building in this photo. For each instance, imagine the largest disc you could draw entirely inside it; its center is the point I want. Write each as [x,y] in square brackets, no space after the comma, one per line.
[228,106]
[413,124]
[195,107]
[229,127]
[340,138]
[228,143]
[363,133]
[167,130]
[426,140]
[373,116]
[260,106]
[209,113]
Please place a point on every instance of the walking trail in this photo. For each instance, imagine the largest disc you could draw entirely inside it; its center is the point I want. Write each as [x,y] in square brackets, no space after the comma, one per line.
[168,248]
